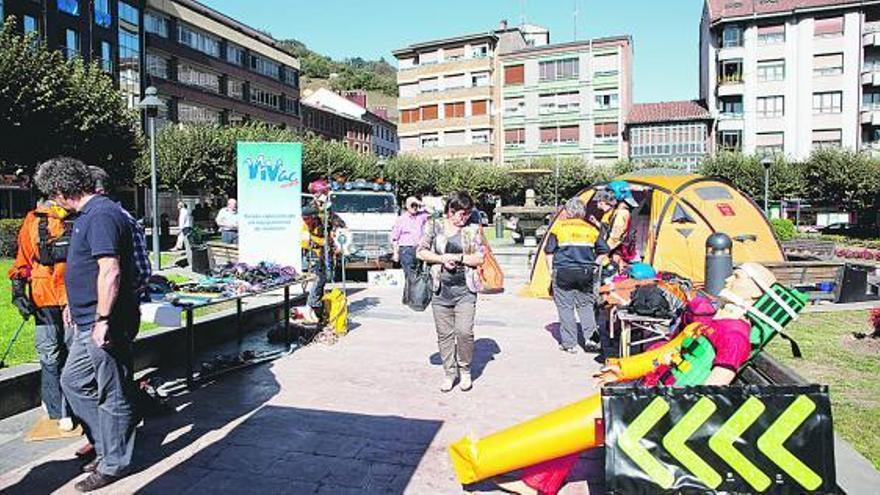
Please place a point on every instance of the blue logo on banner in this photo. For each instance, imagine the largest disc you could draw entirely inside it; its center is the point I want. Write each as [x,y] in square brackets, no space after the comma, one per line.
[266,170]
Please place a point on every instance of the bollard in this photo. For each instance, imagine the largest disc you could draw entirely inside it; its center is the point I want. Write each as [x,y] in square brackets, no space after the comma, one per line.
[499,226]
[719,262]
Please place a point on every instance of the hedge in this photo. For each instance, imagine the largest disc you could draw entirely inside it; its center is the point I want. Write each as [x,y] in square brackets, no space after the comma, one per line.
[784,229]
[9,237]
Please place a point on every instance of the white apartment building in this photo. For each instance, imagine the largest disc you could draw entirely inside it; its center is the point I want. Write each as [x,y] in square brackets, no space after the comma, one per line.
[789,76]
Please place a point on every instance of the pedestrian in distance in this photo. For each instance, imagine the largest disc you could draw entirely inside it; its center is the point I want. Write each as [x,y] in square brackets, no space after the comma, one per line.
[103,306]
[227,222]
[572,248]
[454,249]
[184,225]
[407,233]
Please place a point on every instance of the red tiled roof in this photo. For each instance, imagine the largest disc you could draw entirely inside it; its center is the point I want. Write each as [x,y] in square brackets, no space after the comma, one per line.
[667,111]
[719,9]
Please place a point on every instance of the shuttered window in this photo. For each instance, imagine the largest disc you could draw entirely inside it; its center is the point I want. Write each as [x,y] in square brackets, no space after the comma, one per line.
[453,82]
[828,64]
[479,107]
[548,135]
[514,75]
[514,136]
[606,130]
[454,110]
[829,26]
[409,116]
[453,138]
[429,112]
[569,134]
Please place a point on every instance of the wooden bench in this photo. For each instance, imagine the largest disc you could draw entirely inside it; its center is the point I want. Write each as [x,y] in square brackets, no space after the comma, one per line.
[806,275]
[815,249]
[221,254]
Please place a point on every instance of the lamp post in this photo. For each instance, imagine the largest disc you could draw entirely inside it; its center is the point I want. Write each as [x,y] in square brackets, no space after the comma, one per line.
[767,162]
[150,104]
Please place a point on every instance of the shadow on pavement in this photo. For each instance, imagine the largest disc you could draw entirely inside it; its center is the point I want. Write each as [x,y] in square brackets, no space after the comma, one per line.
[291,450]
[485,350]
[206,409]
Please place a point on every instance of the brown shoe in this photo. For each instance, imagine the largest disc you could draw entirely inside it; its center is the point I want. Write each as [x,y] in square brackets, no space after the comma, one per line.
[96,481]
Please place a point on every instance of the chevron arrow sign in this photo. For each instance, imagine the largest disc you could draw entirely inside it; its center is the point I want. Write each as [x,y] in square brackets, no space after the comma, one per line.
[752,439]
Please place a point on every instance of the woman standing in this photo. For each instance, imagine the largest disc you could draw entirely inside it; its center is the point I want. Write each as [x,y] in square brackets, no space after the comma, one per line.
[454,250]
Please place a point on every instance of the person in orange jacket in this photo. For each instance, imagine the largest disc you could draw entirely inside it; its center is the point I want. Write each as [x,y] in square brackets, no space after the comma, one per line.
[38,290]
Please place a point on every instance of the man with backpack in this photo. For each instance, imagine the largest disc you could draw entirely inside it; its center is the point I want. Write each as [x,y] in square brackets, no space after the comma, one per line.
[572,248]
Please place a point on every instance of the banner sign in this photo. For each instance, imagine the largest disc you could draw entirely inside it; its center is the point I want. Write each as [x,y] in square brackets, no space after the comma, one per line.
[750,439]
[269,203]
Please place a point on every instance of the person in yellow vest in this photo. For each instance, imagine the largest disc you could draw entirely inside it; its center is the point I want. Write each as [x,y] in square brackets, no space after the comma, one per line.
[572,250]
[315,218]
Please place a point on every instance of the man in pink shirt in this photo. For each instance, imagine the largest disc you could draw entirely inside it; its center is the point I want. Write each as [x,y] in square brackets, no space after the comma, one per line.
[407,233]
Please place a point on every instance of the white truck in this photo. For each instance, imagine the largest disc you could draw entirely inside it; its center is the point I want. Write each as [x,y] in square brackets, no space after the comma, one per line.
[369,212]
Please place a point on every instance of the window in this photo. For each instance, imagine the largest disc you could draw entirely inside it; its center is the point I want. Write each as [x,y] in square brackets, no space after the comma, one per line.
[196,114]
[771,106]
[264,97]
[514,106]
[106,56]
[514,137]
[430,141]
[827,138]
[830,64]
[479,79]
[30,25]
[428,85]
[480,51]
[409,143]
[265,66]
[129,14]
[606,132]
[672,142]
[291,77]
[196,76]
[234,54]
[730,140]
[481,137]
[871,101]
[828,27]
[731,106]
[235,88]
[71,43]
[429,112]
[452,54]
[769,143]
[409,90]
[291,105]
[454,81]
[129,62]
[514,75]
[559,102]
[157,65]
[69,6]
[198,40]
[409,116]
[606,100]
[479,107]
[102,13]
[828,102]
[771,35]
[605,65]
[732,36]
[771,70]
[453,138]
[428,58]
[730,72]
[453,110]
[569,134]
[156,23]
[557,70]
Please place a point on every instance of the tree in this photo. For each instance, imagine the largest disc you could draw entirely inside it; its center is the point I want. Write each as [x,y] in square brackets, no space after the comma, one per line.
[843,178]
[746,173]
[51,107]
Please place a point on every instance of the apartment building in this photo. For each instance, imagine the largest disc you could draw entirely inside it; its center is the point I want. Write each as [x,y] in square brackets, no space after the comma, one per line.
[565,100]
[323,121]
[790,76]
[674,133]
[212,69]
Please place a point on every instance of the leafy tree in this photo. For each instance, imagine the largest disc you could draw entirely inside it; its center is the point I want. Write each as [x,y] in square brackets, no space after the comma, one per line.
[746,173]
[842,177]
[352,73]
[51,107]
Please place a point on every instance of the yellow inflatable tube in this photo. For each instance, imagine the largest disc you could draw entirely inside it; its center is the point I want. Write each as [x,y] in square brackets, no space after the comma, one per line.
[562,432]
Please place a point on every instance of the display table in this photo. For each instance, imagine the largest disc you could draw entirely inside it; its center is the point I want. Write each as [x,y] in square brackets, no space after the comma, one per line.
[189,303]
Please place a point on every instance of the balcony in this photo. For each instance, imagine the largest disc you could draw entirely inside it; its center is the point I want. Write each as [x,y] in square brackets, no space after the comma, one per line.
[730,85]
[871,74]
[413,74]
[870,114]
[456,94]
[482,121]
[458,151]
[871,34]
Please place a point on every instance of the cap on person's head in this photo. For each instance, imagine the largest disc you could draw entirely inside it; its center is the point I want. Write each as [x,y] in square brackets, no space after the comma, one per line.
[319,186]
[622,192]
[604,196]
[412,200]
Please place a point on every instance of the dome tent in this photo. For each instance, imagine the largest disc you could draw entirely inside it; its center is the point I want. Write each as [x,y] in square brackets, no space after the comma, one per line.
[677,212]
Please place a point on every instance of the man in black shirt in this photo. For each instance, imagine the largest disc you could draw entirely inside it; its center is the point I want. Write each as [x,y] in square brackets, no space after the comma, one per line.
[101,286]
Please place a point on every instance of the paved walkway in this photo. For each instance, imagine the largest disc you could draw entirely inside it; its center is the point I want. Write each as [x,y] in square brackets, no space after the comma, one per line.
[362,416]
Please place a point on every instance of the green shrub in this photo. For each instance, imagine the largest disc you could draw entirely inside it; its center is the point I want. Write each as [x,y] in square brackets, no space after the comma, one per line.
[784,229]
[9,236]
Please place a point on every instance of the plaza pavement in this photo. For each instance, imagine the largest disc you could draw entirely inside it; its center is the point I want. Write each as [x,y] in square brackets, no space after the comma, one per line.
[362,416]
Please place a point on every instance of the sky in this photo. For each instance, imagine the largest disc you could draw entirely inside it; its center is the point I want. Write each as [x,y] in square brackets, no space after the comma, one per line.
[665,32]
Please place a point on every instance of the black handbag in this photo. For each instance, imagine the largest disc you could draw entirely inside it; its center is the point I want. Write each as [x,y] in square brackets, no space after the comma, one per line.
[419,288]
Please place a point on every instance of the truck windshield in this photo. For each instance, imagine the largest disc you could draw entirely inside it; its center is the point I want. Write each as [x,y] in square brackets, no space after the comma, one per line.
[364,203]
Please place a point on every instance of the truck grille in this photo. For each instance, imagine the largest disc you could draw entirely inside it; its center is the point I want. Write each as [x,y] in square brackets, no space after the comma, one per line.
[371,243]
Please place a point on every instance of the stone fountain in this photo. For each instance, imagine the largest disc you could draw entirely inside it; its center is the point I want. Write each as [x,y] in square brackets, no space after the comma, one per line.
[530,217]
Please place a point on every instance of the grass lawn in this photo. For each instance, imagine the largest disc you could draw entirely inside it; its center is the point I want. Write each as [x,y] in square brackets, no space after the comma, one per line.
[849,366]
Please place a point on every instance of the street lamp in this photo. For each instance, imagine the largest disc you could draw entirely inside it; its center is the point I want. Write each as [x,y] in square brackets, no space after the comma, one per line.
[151,103]
[767,162]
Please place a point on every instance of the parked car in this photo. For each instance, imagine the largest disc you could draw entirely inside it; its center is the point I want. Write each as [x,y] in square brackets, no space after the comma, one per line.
[851,230]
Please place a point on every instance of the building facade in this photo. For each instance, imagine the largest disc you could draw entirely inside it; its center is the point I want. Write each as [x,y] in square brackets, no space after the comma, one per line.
[207,67]
[675,133]
[353,132]
[790,76]
[565,100]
